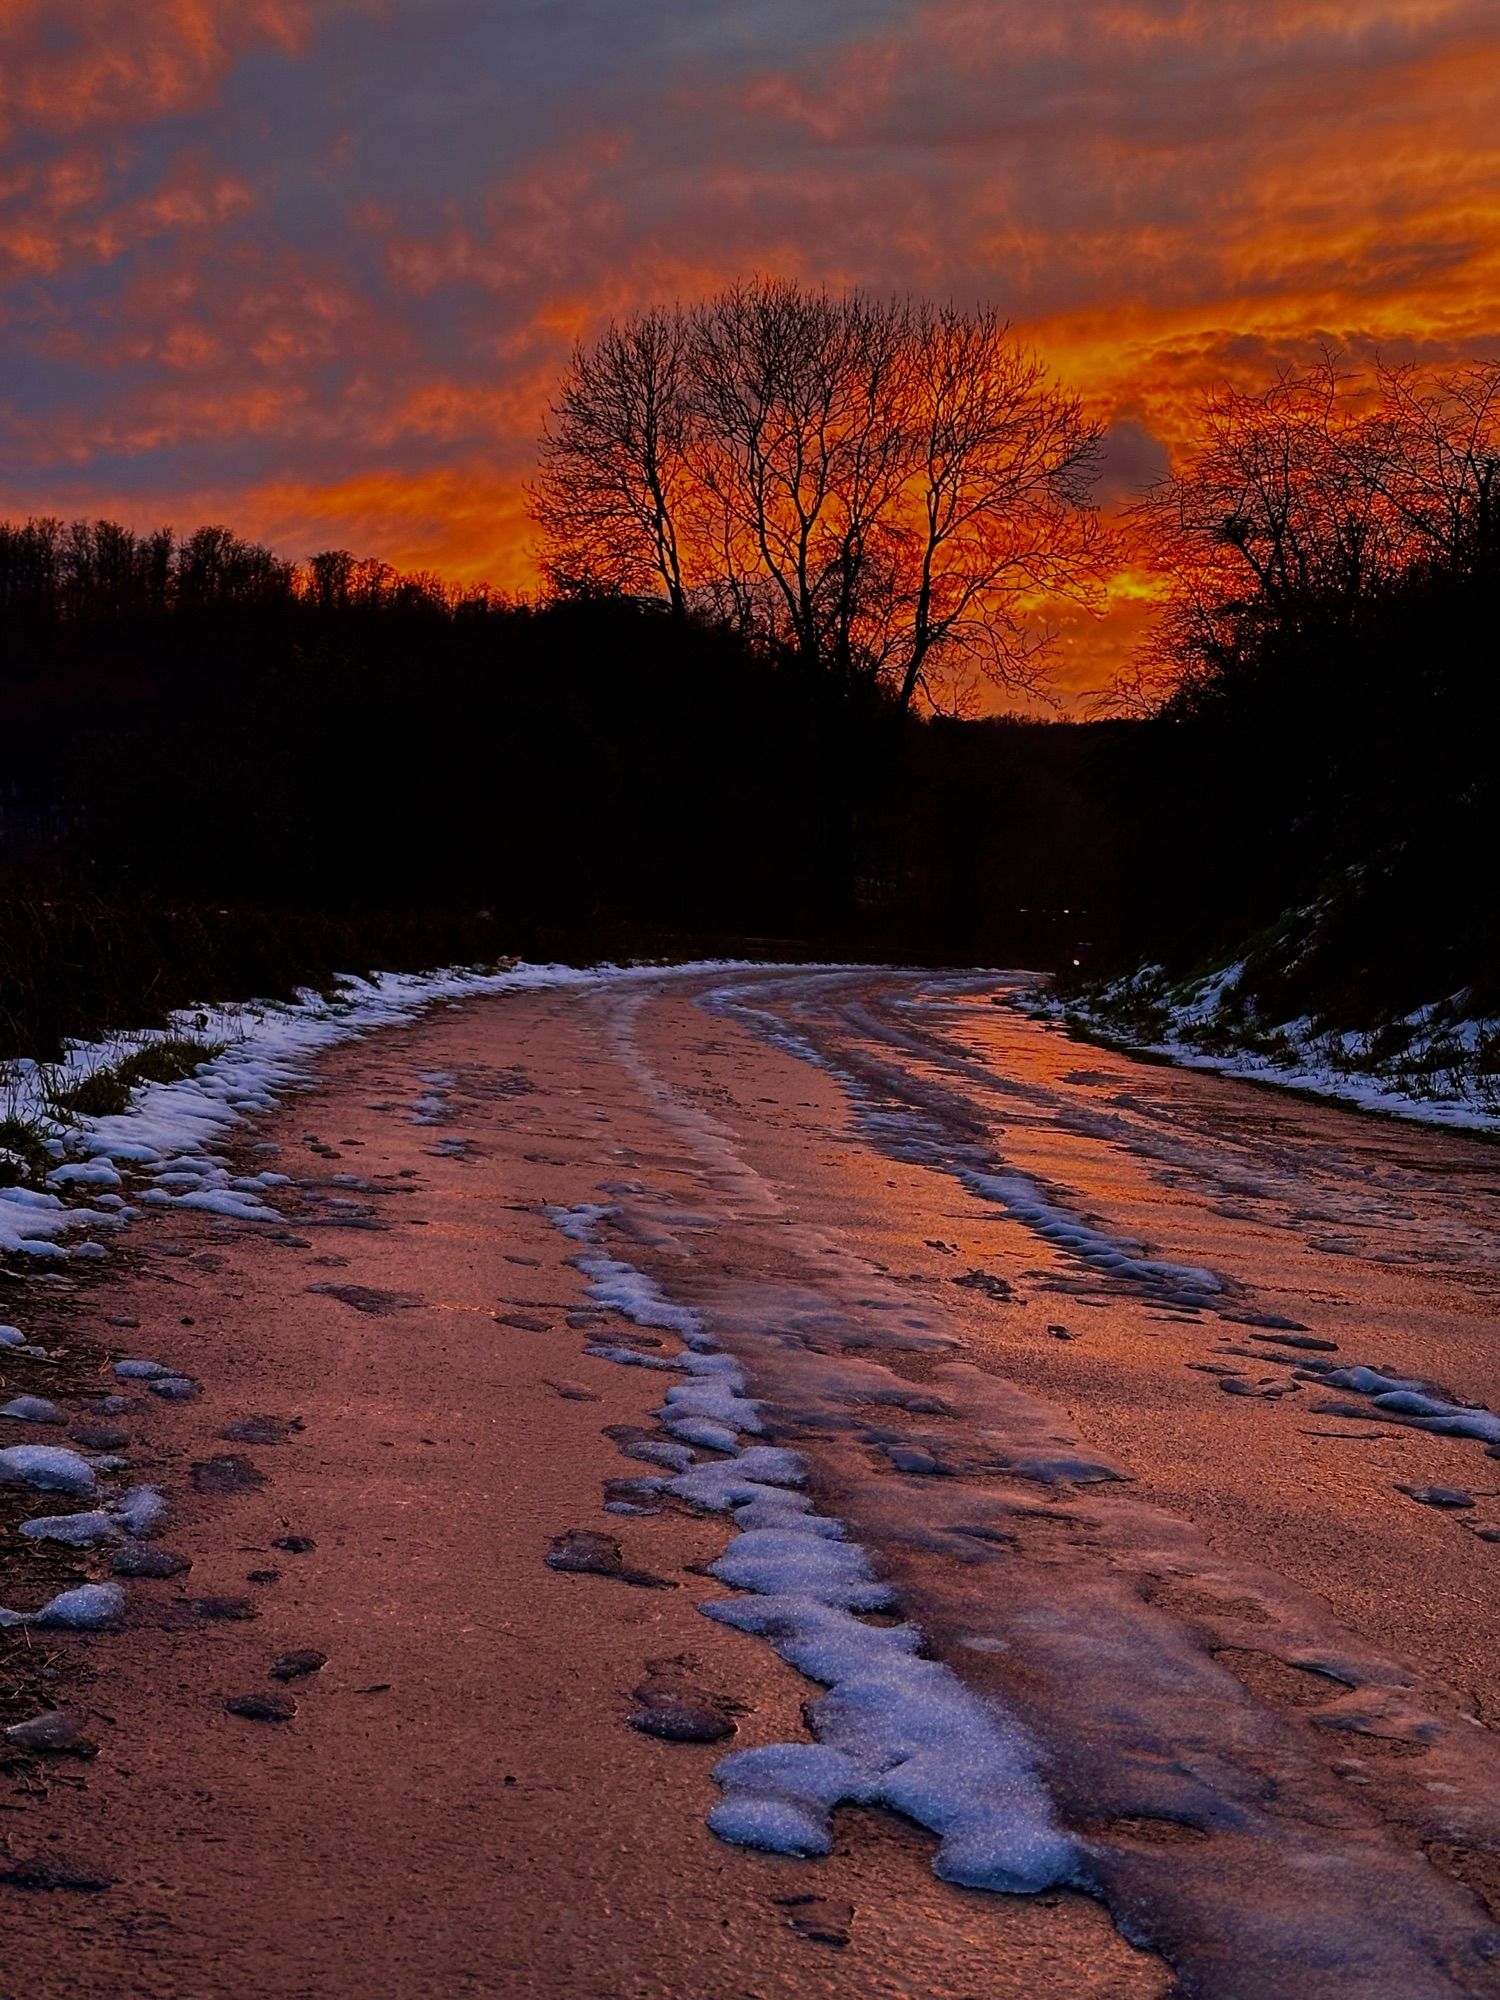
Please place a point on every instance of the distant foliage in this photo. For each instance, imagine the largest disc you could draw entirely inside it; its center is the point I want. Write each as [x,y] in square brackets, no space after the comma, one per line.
[1307,508]
[211,759]
[56,573]
[889,492]
[1323,688]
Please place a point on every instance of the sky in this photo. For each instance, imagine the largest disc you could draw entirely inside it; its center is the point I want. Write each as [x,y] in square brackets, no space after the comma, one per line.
[311,267]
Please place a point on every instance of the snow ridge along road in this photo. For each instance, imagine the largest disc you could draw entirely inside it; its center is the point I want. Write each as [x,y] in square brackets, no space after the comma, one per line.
[1089,1463]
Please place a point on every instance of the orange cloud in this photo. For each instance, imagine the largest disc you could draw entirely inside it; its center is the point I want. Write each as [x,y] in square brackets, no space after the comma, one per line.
[114,62]
[463,522]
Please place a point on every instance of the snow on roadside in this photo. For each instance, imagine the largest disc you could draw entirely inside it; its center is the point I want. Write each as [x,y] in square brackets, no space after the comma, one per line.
[162,1150]
[1426,1065]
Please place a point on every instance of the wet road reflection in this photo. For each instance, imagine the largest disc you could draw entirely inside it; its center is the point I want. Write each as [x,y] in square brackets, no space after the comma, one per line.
[1141,1385]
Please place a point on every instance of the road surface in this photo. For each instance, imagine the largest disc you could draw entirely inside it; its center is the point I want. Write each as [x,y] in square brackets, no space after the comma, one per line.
[1157,1402]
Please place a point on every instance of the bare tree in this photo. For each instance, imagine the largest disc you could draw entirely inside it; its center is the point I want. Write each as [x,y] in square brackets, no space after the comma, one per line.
[610,492]
[1004,466]
[800,448]
[1305,504]
[1440,467]
[888,492]
[1270,519]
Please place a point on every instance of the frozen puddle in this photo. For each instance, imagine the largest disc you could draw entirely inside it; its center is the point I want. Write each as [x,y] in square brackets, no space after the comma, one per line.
[894,1729]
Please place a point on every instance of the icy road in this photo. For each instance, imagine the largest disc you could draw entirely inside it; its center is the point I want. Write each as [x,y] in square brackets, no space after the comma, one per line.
[737,1485]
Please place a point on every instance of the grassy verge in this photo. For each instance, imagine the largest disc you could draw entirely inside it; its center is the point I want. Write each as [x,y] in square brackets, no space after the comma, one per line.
[75,965]
[1444,1054]
[106,1092]
[24,1157]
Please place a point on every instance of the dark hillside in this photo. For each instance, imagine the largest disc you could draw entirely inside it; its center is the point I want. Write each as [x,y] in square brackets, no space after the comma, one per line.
[221,773]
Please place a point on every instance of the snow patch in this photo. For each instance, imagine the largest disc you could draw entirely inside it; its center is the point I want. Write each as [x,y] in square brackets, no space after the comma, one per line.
[88,1607]
[1429,1065]
[50,1468]
[32,1410]
[894,1729]
[79,1531]
[1022,1198]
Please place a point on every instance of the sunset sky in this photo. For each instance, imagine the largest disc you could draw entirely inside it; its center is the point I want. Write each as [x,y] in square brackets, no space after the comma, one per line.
[310,267]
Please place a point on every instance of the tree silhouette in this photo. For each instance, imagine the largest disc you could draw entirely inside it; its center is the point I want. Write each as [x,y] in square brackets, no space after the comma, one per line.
[613,456]
[887,492]
[1302,508]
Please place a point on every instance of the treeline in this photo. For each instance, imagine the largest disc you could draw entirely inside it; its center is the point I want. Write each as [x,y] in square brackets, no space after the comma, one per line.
[211,759]
[1323,693]
[59,575]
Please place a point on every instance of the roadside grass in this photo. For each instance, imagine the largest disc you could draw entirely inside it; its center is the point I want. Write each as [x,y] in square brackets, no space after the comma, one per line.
[107,1092]
[75,964]
[1265,1005]
[24,1154]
